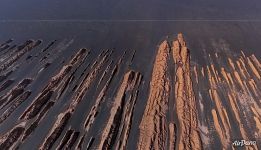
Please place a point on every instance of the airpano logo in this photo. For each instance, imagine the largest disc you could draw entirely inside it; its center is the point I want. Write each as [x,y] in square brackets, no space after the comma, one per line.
[243,143]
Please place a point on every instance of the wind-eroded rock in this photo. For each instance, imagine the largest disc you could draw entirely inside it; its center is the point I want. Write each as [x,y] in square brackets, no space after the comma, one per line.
[11,137]
[21,51]
[130,81]
[57,129]
[189,137]
[234,94]
[54,85]
[153,127]
[89,107]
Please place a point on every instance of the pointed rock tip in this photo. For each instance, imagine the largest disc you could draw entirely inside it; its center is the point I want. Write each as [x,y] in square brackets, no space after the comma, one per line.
[180,36]
[181,39]
[164,44]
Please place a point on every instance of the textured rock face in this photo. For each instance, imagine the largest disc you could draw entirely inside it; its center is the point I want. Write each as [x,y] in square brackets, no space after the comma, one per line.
[232,88]
[118,112]
[153,127]
[102,101]
[189,137]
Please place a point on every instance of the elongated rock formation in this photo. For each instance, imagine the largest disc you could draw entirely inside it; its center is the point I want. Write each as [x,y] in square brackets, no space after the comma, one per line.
[153,127]
[233,92]
[111,131]
[189,137]
[55,97]
[53,86]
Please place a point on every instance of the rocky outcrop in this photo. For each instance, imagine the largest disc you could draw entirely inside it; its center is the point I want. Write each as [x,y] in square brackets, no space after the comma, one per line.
[28,46]
[8,140]
[54,85]
[56,130]
[189,137]
[233,94]
[153,127]
[52,97]
[119,121]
